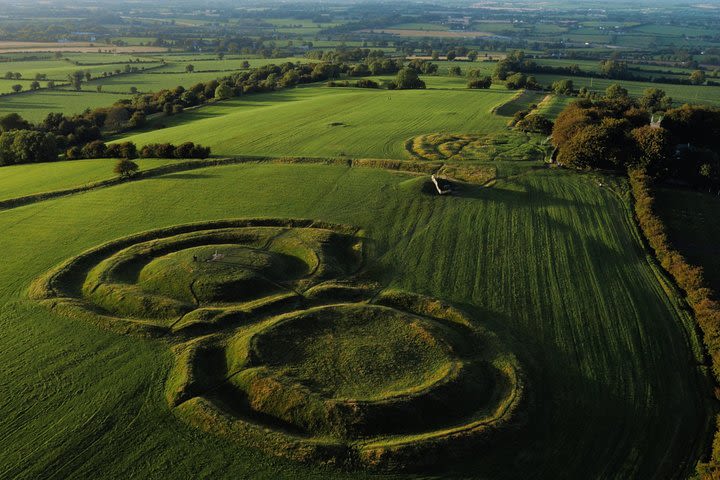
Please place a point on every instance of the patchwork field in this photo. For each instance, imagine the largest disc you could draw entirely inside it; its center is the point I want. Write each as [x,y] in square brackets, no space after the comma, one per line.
[36,105]
[545,261]
[33,47]
[679,93]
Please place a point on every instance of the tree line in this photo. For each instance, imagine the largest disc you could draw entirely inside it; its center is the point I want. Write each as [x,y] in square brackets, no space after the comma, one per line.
[25,142]
[128,150]
[517,63]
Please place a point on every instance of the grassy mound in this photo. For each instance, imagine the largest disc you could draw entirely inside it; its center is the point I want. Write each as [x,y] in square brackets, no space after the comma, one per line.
[223,273]
[483,147]
[374,351]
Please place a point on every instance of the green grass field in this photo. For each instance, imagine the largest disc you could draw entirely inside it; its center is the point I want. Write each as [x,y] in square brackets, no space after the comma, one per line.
[545,258]
[20,180]
[35,106]
[327,122]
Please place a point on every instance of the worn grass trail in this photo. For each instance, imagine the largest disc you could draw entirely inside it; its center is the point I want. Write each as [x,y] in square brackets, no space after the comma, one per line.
[546,258]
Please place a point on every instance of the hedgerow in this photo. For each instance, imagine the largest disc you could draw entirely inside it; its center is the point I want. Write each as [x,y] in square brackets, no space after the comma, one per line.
[690,279]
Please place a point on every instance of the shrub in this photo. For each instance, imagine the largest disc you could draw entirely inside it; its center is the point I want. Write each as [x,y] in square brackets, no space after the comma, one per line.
[407,78]
[73,153]
[483,82]
[184,150]
[563,87]
[138,119]
[516,81]
[366,83]
[223,91]
[125,167]
[94,149]
[535,123]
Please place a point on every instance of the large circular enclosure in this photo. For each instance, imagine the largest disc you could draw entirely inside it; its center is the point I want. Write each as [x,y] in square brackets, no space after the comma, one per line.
[282,342]
[194,276]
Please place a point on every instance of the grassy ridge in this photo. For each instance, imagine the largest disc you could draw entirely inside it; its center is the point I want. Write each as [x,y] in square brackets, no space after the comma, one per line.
[547,258]
[329,122]
[522,100]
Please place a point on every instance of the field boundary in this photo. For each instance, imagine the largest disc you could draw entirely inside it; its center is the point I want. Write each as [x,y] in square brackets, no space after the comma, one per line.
[407,166]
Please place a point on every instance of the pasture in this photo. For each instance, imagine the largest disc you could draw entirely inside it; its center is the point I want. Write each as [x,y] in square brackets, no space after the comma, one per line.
[546,260]
[20,180]
[329,122]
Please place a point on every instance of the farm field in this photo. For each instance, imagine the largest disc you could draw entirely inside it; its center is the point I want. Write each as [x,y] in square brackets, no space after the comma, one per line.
[679,93]
[402,32]
[564,284]
[39,47]
[329,122]
[59,70]
[35,106]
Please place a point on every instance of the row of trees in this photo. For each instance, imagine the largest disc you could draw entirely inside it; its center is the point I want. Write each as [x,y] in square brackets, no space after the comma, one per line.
[99,149]
[614,132]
